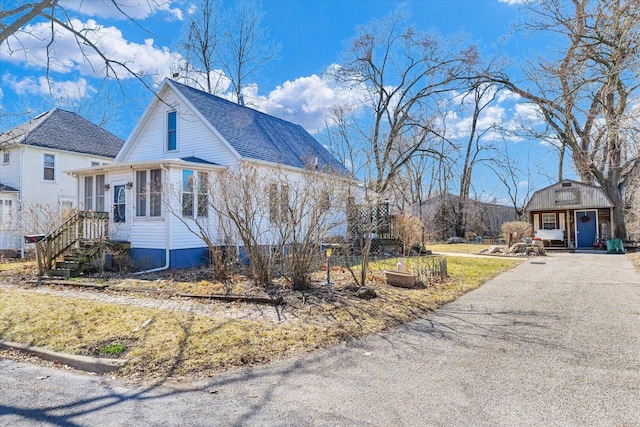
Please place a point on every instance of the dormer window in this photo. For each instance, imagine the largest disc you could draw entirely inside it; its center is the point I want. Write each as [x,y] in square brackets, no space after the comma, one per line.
[172,140]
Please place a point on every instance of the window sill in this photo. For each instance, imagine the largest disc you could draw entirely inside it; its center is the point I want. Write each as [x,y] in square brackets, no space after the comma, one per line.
[149,218]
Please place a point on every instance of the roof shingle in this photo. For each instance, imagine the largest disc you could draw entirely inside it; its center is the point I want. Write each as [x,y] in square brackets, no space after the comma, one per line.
[259,136]
[64,130]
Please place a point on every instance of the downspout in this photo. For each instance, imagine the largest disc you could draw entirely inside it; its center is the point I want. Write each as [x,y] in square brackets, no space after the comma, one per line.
[19,197]
[167,251]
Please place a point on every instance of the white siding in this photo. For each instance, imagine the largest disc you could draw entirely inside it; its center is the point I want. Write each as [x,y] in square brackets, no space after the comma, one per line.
[10,173]
[148,233]
[34,189]
[194,138]
[181,237]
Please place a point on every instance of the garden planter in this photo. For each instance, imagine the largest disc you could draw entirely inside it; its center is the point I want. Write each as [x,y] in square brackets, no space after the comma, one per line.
[401,279]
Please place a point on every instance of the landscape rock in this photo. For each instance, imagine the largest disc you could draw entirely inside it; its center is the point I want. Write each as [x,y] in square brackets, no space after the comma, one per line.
[366,293]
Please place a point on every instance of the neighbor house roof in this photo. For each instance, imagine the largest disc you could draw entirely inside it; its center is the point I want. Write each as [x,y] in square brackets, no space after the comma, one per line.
[259,136]
[64,130]
[7,189]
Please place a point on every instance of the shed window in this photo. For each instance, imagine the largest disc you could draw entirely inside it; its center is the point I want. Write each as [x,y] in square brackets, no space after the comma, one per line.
[549,221]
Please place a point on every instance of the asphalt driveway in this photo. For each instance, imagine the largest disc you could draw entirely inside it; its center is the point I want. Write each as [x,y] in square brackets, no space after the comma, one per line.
[554,342]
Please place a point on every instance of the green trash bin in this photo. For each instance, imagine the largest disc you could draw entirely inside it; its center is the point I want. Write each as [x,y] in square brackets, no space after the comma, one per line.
[614,246]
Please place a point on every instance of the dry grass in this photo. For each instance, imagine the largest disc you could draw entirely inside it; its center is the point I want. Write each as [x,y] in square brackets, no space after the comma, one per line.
[635,258]
[17,265]
[177,344]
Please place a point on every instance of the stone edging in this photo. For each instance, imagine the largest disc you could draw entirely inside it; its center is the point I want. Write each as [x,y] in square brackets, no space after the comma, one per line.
[97,365]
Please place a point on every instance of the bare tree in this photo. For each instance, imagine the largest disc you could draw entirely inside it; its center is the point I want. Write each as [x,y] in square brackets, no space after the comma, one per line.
[247,47]
[516,181]
[587,91]
[225,45]
[199,46]
[14,20]
[474,152]
[402,72]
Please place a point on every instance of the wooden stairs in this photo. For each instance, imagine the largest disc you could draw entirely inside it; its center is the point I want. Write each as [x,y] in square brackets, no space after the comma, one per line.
[75,246]
[76,261]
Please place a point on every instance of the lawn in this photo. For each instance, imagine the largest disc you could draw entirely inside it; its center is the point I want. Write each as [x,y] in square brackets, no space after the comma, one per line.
[163,343]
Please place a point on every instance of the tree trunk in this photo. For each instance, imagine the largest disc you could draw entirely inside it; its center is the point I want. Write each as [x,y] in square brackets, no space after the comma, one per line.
[620,228]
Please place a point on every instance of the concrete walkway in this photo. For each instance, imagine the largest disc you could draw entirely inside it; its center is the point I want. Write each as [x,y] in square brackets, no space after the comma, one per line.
[554,342]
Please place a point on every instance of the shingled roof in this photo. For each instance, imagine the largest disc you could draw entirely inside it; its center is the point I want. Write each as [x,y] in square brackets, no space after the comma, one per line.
[7,189]
[259,136]
[64,130]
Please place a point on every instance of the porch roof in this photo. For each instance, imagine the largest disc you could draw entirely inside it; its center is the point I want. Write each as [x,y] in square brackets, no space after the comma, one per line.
[114,167]
[7,189]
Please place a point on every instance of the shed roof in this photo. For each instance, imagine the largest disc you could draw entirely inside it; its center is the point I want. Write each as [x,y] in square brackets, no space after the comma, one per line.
[568,194]
[64,130]
[259,136]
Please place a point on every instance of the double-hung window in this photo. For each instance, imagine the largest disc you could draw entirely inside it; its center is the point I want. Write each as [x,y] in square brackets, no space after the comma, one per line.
[6,157]
[149,193]
[49,167]
[549,221]
[187,193]
[195,193]
[278,202]
[6,213]
[94,193]
[172,128]
[100,194]
[88,192]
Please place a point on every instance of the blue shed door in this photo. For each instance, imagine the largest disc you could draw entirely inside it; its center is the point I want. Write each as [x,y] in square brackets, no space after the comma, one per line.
[586,228]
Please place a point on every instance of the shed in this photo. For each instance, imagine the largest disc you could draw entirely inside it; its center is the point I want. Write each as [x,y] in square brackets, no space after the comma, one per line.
[571,214]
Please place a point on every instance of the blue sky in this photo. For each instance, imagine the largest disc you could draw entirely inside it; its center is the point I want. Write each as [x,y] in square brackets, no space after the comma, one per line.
[311,33]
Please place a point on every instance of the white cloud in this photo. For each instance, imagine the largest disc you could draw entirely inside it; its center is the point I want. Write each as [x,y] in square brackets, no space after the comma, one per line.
[306,101]
[135,9]
[68,90]
[30,49]
[528,114]
[506,95]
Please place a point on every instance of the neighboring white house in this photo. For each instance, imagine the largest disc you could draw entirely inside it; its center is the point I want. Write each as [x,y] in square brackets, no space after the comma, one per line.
[185,137]
[34,156]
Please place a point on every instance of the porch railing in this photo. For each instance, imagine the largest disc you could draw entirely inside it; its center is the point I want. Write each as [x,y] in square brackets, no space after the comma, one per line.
[83,227]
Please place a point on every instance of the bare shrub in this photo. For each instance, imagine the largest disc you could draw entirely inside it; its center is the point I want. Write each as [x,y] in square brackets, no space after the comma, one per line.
[408,230]
[431,269]
[516,230]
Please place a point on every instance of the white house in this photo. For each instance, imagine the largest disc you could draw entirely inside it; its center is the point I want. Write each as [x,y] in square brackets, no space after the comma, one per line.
[184,138]
[33,158]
